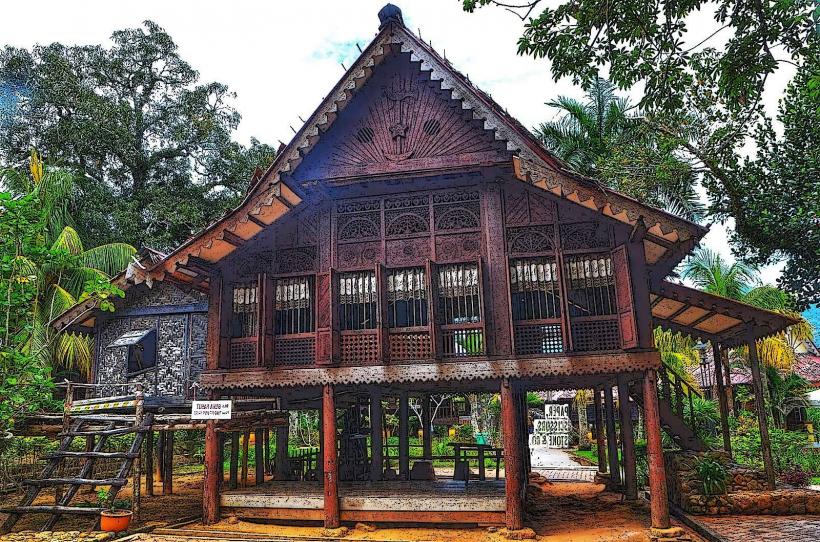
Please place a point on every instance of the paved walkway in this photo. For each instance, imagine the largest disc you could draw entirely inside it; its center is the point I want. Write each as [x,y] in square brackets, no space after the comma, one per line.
[764,528]
[557,465]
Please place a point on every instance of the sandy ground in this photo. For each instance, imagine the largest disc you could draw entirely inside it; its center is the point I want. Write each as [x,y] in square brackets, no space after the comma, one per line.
[560,511]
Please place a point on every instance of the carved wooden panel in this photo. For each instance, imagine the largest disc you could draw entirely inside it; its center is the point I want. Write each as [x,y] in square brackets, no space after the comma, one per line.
[410,346]
[295,351]
[360,348]
[585,235]
[358,255]
[458,247]
[530,239]
[457,210]
[295,260]
[522,207]
[623,296]
[400,120]
[357,226]
[407,252]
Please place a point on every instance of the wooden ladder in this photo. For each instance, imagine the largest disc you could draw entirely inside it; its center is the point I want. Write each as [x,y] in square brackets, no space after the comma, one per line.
[83,426]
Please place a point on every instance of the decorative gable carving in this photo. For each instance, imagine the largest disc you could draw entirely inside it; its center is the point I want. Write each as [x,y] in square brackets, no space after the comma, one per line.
[401,121]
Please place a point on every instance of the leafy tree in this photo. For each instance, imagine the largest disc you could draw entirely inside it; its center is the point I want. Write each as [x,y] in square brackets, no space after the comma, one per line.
[70,272]
[786,393]
[603,137]
[151,142]
[705,96]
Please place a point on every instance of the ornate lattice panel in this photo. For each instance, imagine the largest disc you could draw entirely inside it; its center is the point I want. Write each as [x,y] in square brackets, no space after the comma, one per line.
[294,351]
[457,210]
[585,235]
[595,335]
[243,353]
[360,348]
[530,239]
[410,346]
[538,339]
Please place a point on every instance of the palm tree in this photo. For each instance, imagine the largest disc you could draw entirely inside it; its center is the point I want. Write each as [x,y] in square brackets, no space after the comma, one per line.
[787,394]
[604,137]
[61,283]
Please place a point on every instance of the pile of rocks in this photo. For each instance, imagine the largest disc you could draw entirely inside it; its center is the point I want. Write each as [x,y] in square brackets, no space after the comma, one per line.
[745,489]
[57,536]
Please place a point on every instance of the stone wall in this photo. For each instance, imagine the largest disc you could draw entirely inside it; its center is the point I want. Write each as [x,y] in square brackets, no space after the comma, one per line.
[181,340]
[746,493]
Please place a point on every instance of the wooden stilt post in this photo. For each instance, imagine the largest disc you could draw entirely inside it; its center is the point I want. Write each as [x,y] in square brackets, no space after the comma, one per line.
[139,413]
[246,438]
[210,495]
[659,501]
[222,437]
[160,467]
[627,440]
[331,475]
[717,353]
[427,434]
[267,451]
[514,484]
[727,371]
[282,451]
[600,432]
[259,455]
[404,437]
[376,444]
[611,439]
[149,464]
[760,403]
[168,461]
[233,469]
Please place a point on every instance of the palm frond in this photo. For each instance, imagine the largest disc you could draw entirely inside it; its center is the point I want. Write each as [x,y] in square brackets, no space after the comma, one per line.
[74,280]
[58,300]
[110,259]
[69,240]
[73,351]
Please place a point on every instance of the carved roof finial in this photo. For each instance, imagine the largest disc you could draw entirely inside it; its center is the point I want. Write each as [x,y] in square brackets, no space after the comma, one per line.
[390,14]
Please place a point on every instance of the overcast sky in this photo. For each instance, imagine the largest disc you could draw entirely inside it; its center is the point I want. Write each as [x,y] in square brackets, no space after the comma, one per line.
[281,58]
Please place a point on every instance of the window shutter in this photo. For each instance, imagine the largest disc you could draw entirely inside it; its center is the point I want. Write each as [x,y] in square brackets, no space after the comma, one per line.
[381,314]
[623,295]
[327,323]
[266,324]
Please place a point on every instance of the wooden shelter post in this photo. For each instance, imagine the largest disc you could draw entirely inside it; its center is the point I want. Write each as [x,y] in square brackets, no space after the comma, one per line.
[600,432]
[404,436]
[511,433]
[611,439]
[210,495]
[627,440]
[149,464]
[331,474]
[723,402]
[760,402]
[282,450]
[659,500]
[259,456]
[168,462]
[233,472]
[376,431]
[246,438]
[427,430]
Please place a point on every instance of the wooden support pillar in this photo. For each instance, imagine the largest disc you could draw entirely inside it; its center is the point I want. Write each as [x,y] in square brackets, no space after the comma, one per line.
[149,464]
[222,437]
[246,439]
[723,402]
[600,432]
[160,468]
[514,484]
[404,436]
[760,403]
[282,451]
[331,474]
[659,500]
[611,439]
[376,431]
[168,464]
[427,433]
[210,495]
[267,452]
[627,440]
[727,371]
[233,469]
[259,456]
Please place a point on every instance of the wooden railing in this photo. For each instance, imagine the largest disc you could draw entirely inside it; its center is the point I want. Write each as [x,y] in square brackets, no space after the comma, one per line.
[678,393]
[462,340]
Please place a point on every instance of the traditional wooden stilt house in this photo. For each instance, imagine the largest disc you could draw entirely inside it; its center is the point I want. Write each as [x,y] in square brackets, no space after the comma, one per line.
[413,238]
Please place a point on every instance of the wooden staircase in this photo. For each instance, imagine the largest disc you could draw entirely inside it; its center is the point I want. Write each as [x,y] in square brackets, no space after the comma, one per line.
[674,395]
[81,426]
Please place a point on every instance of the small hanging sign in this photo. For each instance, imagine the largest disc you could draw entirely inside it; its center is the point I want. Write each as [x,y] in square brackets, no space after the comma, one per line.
[211,410]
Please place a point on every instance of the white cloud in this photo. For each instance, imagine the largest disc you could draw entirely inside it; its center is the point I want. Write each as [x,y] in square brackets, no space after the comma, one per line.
[281,58]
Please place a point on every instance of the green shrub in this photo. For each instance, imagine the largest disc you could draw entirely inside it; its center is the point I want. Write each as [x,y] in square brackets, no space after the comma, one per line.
[712,475]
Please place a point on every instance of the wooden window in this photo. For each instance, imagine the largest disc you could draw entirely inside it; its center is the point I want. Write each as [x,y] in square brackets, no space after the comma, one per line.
[406,297]
[244,327]
[358,299]
[294,306]
[459,293]
[534,289]
[590,285]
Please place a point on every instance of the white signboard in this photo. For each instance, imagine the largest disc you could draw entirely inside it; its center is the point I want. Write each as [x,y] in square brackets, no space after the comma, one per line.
[553,430]
[211,410]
